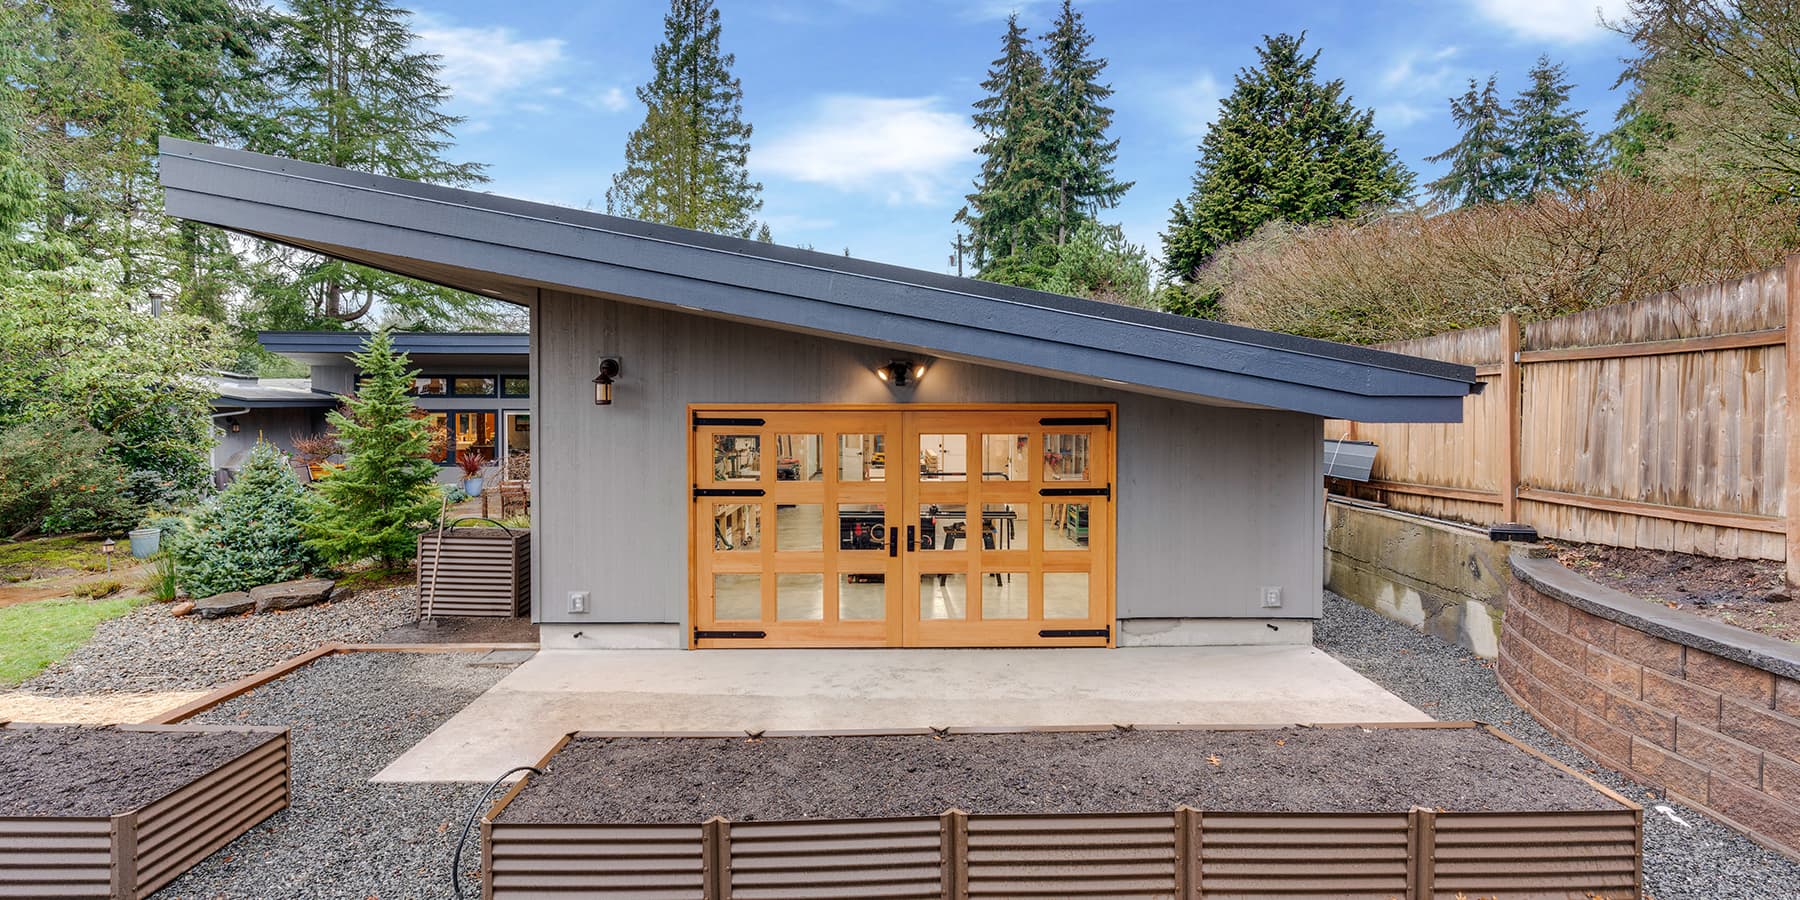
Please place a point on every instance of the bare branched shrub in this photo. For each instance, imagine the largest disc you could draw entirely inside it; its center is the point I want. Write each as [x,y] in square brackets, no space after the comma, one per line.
[1412,275]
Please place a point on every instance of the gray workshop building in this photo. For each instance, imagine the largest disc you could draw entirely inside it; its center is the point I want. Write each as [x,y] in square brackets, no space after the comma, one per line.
[742,444]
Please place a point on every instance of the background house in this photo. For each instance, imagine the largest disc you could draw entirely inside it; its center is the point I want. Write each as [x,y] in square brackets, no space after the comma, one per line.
[476,388]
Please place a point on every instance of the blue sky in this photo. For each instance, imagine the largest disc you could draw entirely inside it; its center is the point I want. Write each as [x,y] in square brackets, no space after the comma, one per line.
[860,107]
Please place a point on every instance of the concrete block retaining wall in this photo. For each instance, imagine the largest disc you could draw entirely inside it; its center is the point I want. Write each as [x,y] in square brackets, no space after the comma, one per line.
[1708,712]
[1445,579]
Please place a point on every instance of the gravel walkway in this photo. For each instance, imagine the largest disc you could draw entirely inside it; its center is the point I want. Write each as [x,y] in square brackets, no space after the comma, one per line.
[150,650]
[1698,860]
[343,837]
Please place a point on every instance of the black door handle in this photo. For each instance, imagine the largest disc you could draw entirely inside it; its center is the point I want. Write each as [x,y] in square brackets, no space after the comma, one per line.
[911,536]
[893,542]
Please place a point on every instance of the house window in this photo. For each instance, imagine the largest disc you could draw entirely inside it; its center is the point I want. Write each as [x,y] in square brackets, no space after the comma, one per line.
[518,432]
[435,424]
[473,386]
[474,432]
[431,386]
[515,386]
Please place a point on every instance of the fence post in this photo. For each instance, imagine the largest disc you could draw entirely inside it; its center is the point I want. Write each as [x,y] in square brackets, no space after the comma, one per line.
[1791,420]
[1421,852]
[953,848]
[1513,406]
[1187,853]
[715,858]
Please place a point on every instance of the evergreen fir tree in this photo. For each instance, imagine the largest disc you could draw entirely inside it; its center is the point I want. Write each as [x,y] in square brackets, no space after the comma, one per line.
[1077,118]
[250,534]
[1012,210]
[1285,146]
[355,94]
[1551,147]
[1481,161]
[687,164]
[203,58]
[375,507]
[88,126]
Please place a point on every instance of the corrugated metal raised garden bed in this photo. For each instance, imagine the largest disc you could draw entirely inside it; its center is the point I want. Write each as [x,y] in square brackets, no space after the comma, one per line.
[119,811]
[475,572]
[1415,811]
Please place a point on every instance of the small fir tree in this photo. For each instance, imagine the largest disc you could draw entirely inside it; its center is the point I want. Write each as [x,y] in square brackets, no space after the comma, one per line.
[1286,146]
[386,493]
[1551,150]
[250,534]
[1011,211]
[1481,162]
[688,163]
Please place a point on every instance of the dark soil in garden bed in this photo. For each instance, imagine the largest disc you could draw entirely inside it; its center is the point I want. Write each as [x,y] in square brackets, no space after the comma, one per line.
[1734,591]
[101,771]
[659,780]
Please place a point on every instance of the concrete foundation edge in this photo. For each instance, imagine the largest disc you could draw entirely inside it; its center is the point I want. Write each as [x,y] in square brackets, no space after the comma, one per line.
[1213,632]
[611,636]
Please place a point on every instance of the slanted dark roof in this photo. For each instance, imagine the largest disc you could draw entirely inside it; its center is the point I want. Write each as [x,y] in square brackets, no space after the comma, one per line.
[509,248]
[268,393]
[422,347]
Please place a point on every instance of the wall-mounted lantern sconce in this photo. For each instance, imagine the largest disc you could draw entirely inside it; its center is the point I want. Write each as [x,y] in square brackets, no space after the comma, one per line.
[603,382]
[900,372]
[233,424]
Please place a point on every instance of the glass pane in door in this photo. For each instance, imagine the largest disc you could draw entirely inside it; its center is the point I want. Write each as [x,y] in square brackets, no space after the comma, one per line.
[1065,457]
[1003,457]
[799,596]
[862,457]
[943,457]
[737,457]
[799,526]
[944,596]
[1066,526]
[943,526]
[737,597]
[862,598]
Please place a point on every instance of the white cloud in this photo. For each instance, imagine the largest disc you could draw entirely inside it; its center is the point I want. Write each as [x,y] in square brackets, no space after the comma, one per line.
[1416,71]
[1194,103]
[905,148]
[987,10]
[484,64]
[613,100]
[1400,113]
[1563,21]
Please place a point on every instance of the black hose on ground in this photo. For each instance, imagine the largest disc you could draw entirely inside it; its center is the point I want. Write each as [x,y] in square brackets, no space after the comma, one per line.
[480,804]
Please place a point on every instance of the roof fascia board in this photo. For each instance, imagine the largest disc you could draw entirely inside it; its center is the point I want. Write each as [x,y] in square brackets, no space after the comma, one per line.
[763,307]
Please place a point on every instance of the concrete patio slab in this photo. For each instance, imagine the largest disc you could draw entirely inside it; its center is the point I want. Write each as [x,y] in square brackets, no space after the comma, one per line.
[557,692]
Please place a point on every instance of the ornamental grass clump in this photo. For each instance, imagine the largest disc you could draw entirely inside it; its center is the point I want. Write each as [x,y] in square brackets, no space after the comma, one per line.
[386,493]
[249,534]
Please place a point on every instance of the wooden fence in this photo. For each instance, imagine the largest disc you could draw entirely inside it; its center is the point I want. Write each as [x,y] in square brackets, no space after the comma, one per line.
[1658,424]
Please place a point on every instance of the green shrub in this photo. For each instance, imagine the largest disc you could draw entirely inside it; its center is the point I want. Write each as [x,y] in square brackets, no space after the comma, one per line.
[56,476]
[249,534]
[375,507]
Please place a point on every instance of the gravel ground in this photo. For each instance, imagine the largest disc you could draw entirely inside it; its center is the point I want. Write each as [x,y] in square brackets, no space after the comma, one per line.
[1277,770]
[150,650]
[1693,859]
[343,837]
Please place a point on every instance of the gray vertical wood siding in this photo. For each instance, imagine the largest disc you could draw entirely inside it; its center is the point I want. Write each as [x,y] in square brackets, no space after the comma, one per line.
[1213,502]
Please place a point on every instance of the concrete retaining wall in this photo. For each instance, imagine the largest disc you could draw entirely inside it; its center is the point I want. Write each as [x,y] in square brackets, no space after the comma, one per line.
[1708,712]
[1444,579]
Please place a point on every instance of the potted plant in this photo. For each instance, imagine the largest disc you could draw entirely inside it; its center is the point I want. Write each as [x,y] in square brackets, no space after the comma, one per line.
[471,463]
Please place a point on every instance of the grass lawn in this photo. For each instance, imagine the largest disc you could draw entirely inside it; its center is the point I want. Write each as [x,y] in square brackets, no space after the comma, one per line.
[34,635]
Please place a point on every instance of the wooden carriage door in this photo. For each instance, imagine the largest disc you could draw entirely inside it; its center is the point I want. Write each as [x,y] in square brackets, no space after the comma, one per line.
[965,527]
[794,541]
[1008,528]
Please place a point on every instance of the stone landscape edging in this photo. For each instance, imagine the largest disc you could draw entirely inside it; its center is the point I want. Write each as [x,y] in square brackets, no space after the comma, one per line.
[1707,713]
[257,679]
[1679,626]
